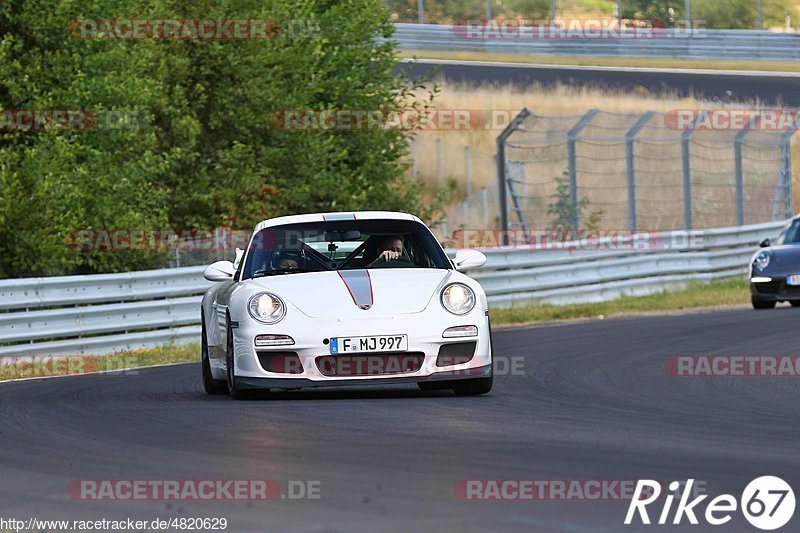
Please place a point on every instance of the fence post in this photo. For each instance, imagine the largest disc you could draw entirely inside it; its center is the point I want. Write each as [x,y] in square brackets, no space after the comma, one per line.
[468,170]
[686,138]
[629,138]
[687,16]
[439,163]
[737,156]
[786,167]
[414,157]
[501,170]
[572,136]
[485,206]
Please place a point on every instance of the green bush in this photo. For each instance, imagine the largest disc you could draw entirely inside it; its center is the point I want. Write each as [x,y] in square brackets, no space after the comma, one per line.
[204,151]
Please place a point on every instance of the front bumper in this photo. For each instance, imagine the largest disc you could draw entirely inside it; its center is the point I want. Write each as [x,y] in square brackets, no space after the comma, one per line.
[775,290]
[425,341]
[283,383]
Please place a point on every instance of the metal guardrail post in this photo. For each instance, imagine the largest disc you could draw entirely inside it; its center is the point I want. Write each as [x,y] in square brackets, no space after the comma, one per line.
[501,170]
[630,136]
[572,136]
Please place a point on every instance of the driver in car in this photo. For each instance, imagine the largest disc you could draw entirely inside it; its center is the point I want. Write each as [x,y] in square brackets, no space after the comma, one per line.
[389,248]
[287,261]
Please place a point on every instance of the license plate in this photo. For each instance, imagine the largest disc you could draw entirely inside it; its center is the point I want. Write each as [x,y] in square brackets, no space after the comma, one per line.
[793,279]
[374,343]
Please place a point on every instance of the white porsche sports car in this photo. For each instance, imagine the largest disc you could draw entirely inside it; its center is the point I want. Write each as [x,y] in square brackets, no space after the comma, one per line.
[334,299]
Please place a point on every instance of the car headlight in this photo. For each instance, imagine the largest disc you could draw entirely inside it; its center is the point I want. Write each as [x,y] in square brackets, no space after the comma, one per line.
[267,308]
[458,298]
[761,261]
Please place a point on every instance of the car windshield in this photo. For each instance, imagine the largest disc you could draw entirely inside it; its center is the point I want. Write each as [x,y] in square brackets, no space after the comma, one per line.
[792,233]
[342,245]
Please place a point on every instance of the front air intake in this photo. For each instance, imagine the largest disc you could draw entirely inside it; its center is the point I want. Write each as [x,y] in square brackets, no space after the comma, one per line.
[456,353]
[280,362]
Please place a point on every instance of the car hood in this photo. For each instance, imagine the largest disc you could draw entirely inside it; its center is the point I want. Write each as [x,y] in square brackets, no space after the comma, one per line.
[785,258]
[357,293]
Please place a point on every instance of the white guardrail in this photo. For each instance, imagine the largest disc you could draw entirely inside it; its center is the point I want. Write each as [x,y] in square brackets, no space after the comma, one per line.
[697,44]
[119,312]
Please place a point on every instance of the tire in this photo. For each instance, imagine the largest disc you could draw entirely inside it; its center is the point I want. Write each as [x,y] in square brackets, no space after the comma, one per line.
[795,303]
[211,385]
[236,392]
[758,303]
[473,387]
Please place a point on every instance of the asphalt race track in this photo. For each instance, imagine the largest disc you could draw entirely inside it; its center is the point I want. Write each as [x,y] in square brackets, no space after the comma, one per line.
[770,88]
[592,402]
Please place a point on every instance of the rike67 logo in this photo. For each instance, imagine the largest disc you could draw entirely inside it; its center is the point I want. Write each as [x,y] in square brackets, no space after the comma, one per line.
[767,503]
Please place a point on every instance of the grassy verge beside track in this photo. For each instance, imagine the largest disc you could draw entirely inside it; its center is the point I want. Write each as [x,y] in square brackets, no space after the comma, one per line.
[125,363]
[637,62]
[725,293]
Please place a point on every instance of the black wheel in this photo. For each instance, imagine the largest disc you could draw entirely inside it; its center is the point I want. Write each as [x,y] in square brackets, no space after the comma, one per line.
[795,303]
[473,387]
[211,385]
[758,303]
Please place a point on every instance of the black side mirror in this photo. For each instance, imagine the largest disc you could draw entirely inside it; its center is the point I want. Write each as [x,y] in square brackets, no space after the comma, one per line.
[765,243]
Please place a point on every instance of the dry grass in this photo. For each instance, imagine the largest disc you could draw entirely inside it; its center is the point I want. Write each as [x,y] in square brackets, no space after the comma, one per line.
[659,170]
[555,100]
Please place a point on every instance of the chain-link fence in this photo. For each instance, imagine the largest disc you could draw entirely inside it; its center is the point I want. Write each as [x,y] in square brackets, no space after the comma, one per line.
[470,176]
[646,171]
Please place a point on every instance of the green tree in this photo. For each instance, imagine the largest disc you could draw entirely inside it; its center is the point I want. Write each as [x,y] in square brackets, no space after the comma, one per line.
[205,150]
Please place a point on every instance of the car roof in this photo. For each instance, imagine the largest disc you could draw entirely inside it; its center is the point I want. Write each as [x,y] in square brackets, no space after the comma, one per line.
[339,215]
